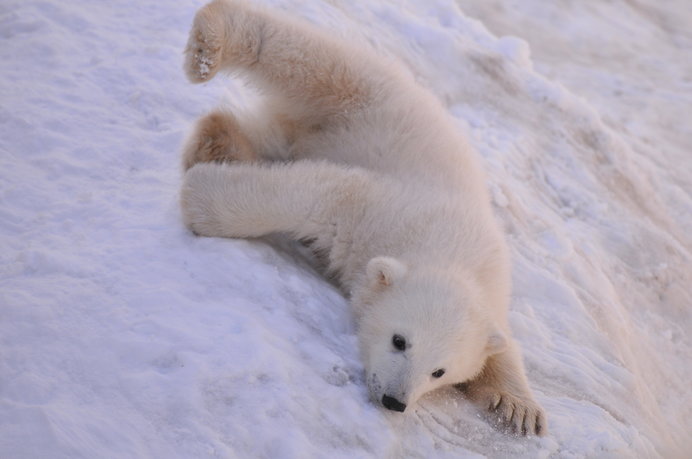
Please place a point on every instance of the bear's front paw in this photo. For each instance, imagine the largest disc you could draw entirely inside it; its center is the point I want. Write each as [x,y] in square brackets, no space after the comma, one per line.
[520,414]
[198,201]
[204,49]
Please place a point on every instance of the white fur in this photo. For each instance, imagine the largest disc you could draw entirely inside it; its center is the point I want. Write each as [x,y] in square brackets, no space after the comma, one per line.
[381,181]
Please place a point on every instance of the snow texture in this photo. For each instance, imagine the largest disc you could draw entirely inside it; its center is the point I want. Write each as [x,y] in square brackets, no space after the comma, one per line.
[123,335]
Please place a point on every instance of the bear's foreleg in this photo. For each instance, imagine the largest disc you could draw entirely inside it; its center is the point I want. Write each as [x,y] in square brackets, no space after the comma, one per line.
[239,200]
[502,388]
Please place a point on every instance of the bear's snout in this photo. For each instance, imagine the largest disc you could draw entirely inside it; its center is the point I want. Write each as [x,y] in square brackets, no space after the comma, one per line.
[393,404]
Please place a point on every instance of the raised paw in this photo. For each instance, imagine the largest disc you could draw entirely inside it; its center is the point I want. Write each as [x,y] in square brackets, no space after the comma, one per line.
[204,49]
[521,415]
[217,138]
[224,34]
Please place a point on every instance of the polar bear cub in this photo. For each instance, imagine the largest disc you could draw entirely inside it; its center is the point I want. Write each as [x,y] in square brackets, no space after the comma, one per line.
[374,174]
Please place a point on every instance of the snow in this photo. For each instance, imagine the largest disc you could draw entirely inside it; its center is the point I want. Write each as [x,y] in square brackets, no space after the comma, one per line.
[122,335]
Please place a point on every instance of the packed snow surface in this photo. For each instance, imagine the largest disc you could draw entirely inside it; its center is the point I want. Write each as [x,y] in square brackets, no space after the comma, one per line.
[123,335]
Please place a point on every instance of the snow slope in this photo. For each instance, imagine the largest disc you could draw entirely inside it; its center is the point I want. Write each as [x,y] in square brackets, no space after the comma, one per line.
[122,335]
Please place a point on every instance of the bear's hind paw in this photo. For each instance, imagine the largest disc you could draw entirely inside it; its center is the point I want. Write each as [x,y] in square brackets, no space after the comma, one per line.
[217,138]
[204,49]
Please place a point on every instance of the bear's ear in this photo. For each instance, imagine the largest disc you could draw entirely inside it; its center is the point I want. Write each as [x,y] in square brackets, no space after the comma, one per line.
[384,271]
[496,342]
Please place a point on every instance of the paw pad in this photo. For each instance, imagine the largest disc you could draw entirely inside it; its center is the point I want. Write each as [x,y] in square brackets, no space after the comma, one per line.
[203,52]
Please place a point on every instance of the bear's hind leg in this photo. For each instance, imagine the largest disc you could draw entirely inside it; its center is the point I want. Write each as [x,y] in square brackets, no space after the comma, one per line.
[217,137]
[319,76]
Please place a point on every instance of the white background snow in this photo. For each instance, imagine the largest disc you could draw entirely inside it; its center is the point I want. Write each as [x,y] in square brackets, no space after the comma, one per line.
[122,335]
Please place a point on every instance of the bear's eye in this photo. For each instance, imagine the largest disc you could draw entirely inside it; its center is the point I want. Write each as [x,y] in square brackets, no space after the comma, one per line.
[438,373]
[399,342]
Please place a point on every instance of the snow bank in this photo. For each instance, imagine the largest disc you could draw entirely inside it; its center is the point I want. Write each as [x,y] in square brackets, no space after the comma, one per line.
[125,336]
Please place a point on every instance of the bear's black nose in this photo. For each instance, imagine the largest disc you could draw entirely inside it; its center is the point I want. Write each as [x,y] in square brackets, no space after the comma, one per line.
[393,404]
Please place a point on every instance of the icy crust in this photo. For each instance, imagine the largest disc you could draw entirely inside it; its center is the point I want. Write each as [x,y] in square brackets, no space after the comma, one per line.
[125,336]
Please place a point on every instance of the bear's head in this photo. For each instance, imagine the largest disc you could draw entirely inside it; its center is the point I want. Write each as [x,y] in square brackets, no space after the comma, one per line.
[420,329]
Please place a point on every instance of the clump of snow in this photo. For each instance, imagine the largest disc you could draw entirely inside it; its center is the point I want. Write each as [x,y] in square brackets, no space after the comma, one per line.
[515,50]
[125,336]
